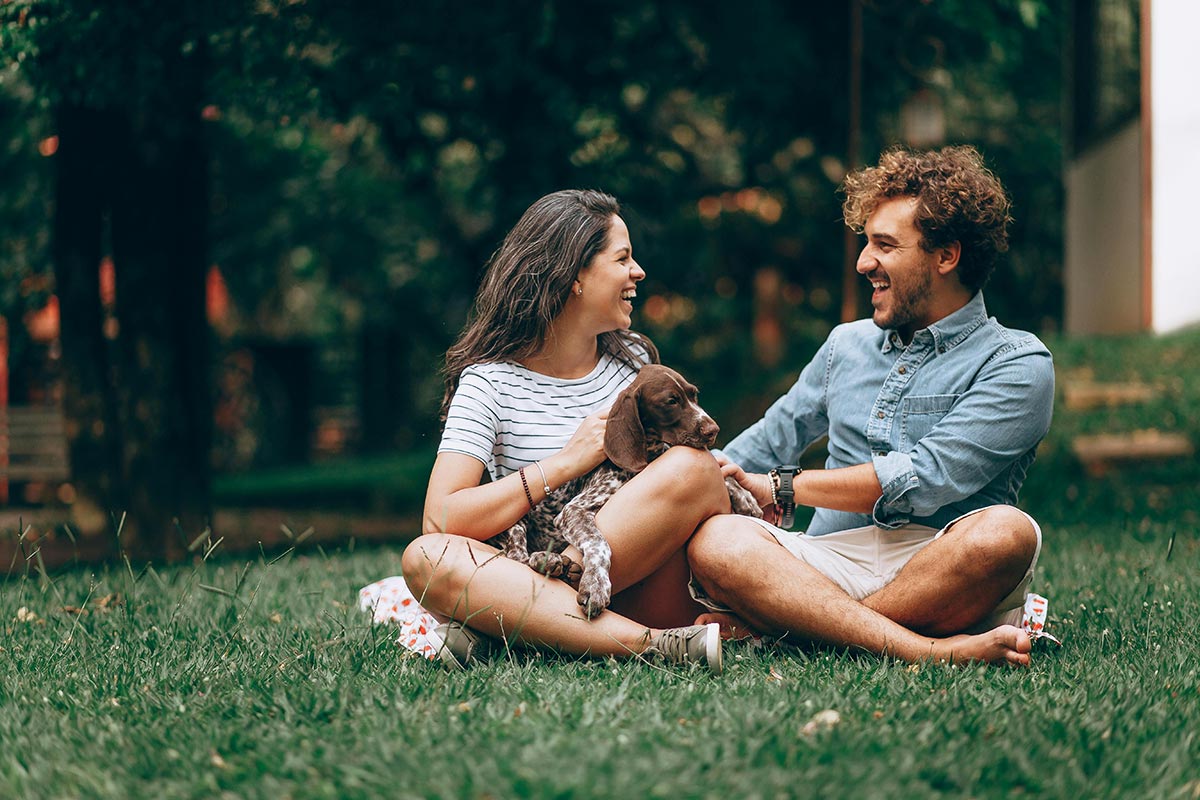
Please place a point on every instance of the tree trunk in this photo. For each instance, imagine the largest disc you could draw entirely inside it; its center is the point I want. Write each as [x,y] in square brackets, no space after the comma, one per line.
[159,246]
[93,435]
[386,380]
[137,402]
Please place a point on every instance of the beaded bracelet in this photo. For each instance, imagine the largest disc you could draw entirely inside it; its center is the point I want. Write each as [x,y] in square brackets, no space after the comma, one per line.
[525,483]
[545,483]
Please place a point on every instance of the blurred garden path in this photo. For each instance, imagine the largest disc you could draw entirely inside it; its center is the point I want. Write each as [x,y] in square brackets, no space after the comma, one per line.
[243,529]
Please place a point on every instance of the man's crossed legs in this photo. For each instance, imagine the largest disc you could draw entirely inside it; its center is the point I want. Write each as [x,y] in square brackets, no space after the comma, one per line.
[883,591]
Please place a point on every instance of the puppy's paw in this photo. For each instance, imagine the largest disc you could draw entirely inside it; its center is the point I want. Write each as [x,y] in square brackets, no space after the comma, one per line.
[552,565]
[741,501]
[595,593]
[573,573]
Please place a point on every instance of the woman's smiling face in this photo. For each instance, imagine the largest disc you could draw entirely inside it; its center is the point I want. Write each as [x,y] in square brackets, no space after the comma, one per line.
[609,282]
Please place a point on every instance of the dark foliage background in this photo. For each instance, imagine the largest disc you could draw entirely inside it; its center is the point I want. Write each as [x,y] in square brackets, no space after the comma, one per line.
[358,163]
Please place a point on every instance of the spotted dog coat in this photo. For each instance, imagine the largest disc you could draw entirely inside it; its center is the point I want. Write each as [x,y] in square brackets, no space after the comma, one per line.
[657,411]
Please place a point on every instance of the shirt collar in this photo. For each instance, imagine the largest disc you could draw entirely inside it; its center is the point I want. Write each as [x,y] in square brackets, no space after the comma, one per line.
[948,331]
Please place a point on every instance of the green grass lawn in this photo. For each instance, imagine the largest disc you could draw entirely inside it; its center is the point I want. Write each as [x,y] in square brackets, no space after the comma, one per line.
[259,678]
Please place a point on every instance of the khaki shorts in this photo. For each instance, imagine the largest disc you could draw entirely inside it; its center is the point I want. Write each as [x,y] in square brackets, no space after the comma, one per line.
[864,560]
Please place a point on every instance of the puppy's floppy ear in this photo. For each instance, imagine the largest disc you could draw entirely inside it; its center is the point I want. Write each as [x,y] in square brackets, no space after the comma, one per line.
[624,436]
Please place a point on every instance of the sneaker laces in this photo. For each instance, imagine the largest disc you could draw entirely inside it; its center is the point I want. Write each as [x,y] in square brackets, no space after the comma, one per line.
[672,644]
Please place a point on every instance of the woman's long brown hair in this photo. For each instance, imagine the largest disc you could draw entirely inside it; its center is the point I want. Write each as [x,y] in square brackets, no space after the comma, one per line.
[528,280]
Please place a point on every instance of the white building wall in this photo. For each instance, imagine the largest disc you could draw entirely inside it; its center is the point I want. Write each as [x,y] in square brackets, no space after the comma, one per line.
[1103,272]
[1175,154]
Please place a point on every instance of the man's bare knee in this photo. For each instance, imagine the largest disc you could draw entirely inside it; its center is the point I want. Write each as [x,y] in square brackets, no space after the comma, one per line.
[708,545]
[723,547]
[1000,538]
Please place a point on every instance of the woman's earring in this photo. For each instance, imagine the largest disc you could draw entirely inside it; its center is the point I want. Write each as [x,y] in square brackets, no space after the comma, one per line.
[578,290]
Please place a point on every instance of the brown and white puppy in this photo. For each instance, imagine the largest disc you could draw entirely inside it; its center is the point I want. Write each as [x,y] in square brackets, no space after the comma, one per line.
[655,412]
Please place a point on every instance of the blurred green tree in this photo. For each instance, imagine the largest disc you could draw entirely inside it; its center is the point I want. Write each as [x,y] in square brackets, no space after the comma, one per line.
[722,128]
[351,166]
[124,83]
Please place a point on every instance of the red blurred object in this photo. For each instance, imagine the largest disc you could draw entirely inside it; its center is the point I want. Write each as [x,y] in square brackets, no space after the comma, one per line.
[43,323]
[108,283]
[216,295]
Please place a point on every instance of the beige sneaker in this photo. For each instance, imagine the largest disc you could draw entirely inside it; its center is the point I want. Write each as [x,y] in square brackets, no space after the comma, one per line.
[462,647]
[695,644]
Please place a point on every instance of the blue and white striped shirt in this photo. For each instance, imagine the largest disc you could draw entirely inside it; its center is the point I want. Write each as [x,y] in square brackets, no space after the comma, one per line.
[508,416]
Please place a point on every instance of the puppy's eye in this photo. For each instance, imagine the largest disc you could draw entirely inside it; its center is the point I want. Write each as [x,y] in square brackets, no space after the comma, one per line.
[672,400]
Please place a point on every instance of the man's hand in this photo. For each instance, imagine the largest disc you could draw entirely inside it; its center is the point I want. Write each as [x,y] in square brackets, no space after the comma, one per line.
[757,485]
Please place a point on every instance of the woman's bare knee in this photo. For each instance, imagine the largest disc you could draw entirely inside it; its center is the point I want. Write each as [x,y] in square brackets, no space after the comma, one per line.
[432,565]
[690,476]
[418,558]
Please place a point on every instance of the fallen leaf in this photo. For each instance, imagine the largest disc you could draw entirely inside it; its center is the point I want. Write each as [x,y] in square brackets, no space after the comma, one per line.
[25,615]
[276,618]
[774,675]
[821,721]
[218,762]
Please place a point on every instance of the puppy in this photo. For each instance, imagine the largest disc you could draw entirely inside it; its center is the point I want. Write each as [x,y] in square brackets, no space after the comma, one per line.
[657,411]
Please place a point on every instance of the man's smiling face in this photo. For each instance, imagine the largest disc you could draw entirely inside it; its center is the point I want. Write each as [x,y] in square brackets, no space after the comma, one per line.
[900,271]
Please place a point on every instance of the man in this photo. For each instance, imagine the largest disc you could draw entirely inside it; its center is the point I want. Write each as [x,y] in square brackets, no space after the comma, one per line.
[933,412]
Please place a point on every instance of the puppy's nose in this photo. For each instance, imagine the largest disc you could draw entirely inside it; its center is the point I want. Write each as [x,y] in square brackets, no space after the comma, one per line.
[709,429]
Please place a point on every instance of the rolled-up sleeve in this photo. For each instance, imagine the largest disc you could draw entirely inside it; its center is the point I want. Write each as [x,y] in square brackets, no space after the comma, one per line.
[791,424]
[1002,416]
[898,477]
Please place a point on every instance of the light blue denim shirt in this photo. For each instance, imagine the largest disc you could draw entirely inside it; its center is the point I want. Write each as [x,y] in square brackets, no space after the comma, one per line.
[950,422]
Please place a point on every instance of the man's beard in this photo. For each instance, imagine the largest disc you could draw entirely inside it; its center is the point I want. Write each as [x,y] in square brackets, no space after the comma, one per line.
[907,303]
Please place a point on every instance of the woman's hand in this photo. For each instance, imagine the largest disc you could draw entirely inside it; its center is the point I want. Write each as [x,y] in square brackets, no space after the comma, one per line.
[585,451]
[582,453]
[757,485]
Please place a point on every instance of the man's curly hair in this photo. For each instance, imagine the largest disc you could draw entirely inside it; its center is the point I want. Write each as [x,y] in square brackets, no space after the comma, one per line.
[958,200]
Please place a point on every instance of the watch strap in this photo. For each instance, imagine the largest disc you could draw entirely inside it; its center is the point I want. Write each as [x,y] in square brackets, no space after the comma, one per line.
[784,492]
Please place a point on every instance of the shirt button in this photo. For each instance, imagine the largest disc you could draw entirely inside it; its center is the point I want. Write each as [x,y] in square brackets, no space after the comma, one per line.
[880,415]
[942,349]
[902,370]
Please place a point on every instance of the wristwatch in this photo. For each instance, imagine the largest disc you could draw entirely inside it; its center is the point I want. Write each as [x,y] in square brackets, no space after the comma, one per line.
[783,493]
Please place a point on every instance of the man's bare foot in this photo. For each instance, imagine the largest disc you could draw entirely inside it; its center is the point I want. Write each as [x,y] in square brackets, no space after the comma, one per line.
[1003,645]
[732,626]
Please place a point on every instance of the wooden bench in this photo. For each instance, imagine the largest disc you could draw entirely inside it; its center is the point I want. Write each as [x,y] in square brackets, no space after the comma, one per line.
[1084,395]
[1100,451]
[33,446]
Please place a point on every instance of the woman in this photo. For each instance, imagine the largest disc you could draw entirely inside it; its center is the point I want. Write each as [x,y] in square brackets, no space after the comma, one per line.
[529,384]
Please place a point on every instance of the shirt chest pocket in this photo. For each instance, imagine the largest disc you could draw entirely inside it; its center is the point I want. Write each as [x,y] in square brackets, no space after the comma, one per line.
[918,415]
